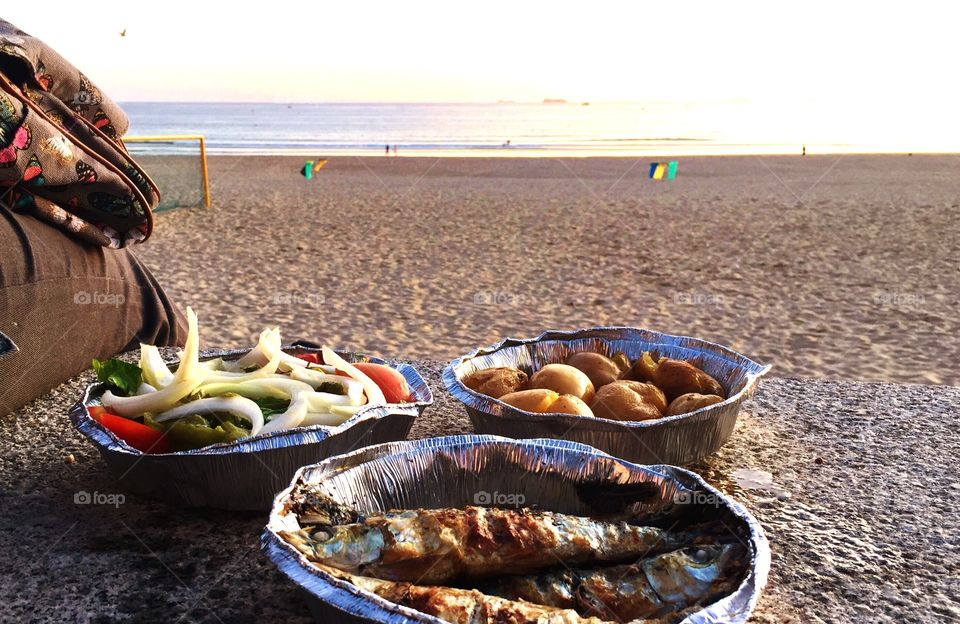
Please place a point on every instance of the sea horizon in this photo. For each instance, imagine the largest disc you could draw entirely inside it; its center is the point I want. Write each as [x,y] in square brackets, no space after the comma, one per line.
[508,129]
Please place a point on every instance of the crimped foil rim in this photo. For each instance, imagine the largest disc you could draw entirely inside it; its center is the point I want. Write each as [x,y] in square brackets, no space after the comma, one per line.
[295,566]
[476,400]
[106,440]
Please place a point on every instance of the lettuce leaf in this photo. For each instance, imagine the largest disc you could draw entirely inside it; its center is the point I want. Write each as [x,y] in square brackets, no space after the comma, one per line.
[122,377]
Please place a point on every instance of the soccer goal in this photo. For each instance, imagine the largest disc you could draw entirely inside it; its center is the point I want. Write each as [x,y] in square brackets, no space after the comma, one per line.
[178,165]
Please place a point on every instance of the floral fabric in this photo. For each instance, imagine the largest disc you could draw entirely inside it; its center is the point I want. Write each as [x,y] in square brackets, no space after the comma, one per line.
[61,157]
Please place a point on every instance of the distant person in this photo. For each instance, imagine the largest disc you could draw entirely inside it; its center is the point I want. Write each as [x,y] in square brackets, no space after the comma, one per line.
[804,152]
[387,148]
[394,150]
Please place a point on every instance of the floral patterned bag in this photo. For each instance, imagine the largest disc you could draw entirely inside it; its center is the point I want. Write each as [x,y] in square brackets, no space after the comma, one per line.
[61,157]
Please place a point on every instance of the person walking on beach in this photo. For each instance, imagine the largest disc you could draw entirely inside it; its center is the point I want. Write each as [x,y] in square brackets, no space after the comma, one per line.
[387,150]
[70,288]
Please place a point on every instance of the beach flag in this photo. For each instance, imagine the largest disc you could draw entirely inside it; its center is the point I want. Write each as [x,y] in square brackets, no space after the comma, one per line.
[310,167]
[659,171]
[307,170]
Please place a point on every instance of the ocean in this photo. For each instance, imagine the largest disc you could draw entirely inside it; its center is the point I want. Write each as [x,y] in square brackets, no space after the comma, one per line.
[513,129]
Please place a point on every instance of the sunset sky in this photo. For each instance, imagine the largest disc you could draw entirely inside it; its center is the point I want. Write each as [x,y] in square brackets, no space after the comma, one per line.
[877,56]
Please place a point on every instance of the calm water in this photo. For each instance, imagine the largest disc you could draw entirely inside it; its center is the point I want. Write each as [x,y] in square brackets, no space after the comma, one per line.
[531,129]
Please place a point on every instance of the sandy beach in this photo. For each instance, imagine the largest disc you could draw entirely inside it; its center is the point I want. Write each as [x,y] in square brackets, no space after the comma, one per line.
[824,266]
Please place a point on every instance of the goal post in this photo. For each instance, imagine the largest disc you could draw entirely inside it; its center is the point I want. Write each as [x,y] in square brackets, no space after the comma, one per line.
[179,170]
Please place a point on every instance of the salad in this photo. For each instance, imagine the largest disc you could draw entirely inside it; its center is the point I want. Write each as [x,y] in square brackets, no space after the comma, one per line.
[156,410]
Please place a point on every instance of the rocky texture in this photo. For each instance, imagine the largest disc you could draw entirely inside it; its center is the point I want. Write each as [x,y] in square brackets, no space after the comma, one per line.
[868,533]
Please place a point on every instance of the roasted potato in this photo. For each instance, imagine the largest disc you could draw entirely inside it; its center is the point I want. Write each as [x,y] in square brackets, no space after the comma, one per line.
[569,404]
[622,361]
[629,400]
[564,379]
[599,368]
[690,402]
[537,400]
[496,382]
[644,369]
[676,377]
[542,401]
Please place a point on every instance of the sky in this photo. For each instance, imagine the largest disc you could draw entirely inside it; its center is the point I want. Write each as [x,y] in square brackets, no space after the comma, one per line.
[887,58]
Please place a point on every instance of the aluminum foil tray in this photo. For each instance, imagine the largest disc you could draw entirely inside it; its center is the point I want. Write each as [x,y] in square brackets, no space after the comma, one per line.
[247,474]
[457,471]
[679,439]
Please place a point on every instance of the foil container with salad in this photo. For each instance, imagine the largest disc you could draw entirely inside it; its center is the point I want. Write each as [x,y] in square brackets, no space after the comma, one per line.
[229,429]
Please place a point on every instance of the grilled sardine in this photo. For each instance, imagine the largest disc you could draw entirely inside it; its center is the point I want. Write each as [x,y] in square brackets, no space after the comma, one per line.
[653,588]
[438,545]
[462,606]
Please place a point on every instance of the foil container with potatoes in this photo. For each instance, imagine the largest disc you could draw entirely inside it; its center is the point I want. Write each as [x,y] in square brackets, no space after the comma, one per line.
[646,396]
[485,528]
[246,474]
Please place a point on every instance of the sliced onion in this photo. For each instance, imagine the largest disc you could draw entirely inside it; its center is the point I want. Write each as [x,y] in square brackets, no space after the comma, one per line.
[328,419]
[351,387]
[234,404]
[155,370]
[144,388]
[216,364]
[289,362]
[322,401]
[345,410]
[372,390]
[268,346]
[290,418]
[281,388]
[185,380]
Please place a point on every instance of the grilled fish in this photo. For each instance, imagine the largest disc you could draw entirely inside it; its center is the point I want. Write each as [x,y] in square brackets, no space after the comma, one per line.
[462,606]
[438,545]
[652,588]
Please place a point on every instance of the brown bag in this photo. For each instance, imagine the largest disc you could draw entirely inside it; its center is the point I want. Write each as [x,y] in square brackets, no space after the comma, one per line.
[61,157]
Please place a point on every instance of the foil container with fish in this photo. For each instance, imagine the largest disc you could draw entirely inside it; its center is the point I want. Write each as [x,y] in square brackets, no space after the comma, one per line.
[671,439]
[542,531]
[246,474]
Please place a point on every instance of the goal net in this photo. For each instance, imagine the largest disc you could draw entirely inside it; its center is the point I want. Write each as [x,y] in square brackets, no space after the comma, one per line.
[177,164]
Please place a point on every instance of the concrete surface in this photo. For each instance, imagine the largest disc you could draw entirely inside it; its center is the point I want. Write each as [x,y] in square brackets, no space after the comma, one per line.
[869,532]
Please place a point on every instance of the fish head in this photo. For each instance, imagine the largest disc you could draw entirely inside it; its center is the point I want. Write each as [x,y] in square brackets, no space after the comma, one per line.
[693,573]
[351,546]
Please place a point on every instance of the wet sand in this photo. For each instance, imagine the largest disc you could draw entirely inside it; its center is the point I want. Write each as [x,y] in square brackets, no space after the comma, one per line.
[824,266]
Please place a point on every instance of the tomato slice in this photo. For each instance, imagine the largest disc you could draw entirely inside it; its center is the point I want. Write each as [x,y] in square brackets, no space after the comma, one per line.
[139,436]
[389,380]
[313,358]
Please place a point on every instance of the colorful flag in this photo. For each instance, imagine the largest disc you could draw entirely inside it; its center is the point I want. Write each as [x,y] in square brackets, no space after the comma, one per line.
[660,171]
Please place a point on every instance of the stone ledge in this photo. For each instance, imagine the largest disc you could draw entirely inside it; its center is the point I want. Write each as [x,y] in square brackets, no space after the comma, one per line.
[870,531]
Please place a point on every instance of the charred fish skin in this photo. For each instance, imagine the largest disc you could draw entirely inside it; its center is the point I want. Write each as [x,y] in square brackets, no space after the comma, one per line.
[653,588]
[437,546]
[461,606]
[315,508]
